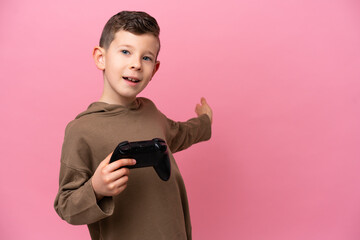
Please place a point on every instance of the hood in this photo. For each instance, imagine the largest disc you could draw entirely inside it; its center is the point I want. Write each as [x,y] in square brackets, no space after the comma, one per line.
[106,108]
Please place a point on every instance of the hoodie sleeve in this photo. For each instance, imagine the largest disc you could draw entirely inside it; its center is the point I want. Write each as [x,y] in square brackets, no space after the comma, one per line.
[181,135]
[76,201]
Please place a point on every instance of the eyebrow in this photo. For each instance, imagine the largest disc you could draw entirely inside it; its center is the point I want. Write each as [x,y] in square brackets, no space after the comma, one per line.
[125,45]
[150,53]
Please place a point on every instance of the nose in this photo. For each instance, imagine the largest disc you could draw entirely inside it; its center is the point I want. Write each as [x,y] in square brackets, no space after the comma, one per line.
[135,63]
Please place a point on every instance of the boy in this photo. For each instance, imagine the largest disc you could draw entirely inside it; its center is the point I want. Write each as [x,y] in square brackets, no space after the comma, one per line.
[113,203]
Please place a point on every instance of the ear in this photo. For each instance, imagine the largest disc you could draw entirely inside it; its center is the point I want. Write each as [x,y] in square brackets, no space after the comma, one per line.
[99,57]
[157,65]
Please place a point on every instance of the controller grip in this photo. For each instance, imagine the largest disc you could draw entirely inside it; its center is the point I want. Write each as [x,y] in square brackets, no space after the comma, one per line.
[163,169]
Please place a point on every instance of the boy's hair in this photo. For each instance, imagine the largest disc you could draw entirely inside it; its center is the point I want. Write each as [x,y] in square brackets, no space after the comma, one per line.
[131,21]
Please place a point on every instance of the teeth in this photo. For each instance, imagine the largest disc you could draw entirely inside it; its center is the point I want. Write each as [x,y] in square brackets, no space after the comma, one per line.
[131,79]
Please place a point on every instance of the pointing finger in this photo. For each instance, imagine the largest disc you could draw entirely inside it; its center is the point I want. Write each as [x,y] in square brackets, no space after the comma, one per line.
[203,101]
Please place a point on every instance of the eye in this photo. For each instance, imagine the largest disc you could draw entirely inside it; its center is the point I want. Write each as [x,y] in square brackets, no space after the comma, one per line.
[126,52]
[146,58]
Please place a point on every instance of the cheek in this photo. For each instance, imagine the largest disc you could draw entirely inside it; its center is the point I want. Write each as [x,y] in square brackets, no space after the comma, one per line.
[115,61]
[151,70]
[114,70]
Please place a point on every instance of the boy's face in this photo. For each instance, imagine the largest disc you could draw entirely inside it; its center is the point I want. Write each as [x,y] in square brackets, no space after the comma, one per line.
[129,64]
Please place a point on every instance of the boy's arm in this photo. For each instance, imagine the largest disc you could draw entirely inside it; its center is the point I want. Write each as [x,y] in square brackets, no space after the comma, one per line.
[181,135]
[84,194]
[84,199]
[76,201]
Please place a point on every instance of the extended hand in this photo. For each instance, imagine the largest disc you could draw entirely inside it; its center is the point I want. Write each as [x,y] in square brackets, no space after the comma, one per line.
[204,108]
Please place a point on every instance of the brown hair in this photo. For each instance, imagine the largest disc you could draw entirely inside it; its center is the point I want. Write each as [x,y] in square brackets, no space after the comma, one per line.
[131,21]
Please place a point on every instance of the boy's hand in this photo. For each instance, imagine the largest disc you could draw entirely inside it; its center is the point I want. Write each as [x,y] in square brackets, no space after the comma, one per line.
[204,108]
[108,179]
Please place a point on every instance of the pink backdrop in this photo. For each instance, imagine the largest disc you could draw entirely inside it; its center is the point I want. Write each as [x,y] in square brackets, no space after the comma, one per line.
[282,77]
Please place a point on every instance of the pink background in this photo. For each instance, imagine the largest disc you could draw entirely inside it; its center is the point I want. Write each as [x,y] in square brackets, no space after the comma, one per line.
[282,77]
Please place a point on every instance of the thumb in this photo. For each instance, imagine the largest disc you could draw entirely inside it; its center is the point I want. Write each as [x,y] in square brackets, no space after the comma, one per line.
[106,160]
[198,108]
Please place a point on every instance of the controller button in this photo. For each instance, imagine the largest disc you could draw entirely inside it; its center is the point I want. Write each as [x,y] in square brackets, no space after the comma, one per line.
[124,146]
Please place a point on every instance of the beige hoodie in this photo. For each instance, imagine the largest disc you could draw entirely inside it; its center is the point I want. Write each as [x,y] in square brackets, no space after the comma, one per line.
[148,208]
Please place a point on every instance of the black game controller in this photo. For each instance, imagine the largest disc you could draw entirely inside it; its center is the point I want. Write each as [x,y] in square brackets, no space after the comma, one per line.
[146,153]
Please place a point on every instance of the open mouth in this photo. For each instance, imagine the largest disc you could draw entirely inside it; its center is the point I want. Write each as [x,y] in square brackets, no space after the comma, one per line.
[131,79]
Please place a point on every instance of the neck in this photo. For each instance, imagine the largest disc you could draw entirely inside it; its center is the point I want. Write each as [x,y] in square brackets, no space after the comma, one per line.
[118,101]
